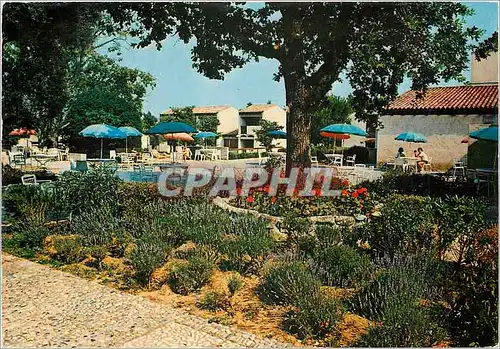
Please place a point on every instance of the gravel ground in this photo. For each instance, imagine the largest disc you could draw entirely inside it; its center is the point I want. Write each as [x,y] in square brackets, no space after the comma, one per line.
[46,307]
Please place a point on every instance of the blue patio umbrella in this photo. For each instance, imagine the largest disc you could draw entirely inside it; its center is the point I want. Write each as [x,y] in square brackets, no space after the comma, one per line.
[277,133]
[171,127]
[130,132]
[411,137]
[344,129]
[205,134]
[102,131]
[486,134]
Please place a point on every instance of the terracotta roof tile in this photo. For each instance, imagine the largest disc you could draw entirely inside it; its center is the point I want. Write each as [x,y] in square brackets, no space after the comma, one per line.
[257,108]
[454,98]
[204,110]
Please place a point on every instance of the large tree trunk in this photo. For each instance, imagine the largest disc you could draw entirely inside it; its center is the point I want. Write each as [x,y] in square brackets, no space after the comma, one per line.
[298,125]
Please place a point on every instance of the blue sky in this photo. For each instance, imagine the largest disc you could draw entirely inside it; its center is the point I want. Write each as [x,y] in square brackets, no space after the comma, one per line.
[178,84]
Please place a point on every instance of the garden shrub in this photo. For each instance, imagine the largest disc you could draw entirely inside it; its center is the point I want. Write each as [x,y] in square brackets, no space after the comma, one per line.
[30,203]
[341,266]
[315,317]
[472,319]
[295,227]
[98,253]
[77,191]
[234,283]
[405,324]
[330,234]
[405,225]
[30,235]
[413,277]
[133,196]
[246,244]
[213,301]
[287,283]
[96,225]
[11,175]
[146,257]
[458,219]
[67,249]
[190,275]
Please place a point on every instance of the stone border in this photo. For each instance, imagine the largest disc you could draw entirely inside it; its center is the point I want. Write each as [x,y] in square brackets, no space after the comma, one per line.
[225,205]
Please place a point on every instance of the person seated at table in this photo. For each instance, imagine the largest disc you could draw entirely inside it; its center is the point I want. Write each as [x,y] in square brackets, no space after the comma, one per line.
[423,159]
[401,153]
[415,153]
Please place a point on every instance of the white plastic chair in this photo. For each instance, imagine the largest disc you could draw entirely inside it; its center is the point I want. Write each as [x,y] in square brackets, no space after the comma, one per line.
[428,165]
[351,160]
[112,154]
[198,155]
[314,161]
[30,179]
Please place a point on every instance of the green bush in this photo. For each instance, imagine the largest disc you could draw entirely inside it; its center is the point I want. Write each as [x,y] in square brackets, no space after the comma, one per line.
[213,301]
[413,278]
[341,266]
[30,203]
[405,225]
[234,283]
[191,275]
[11,175]
[146,257]
[405,324]
[98,253]
[96,226]
[68,249]
[315,317]
[287,283]
[246,245]
[77,191]
[30,235]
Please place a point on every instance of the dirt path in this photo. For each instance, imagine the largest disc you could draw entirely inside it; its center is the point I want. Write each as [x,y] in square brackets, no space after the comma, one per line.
[46,307]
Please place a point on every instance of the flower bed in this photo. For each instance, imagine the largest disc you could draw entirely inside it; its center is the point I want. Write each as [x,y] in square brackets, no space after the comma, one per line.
[385,282]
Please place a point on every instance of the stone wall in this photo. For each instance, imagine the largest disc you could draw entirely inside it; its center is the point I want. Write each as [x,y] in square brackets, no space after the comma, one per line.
[444,134]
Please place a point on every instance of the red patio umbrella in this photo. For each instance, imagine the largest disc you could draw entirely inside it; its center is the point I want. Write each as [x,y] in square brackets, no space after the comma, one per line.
[22,132]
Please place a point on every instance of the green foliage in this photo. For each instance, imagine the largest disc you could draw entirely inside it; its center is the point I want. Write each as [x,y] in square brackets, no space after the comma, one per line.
[213,301]
[30,235]
[412,278]
[246,155]
[341,266]
[68,249]
[96,226]
[98,253]
[190,276]
[234,283]
[184,114]
[405,224]
[336,110]
[248,244]
[79,192]
[315,317]
[10,175]
[146,257]
[262,134]
[406,324]
[458,219]
[30,203]
[287,283]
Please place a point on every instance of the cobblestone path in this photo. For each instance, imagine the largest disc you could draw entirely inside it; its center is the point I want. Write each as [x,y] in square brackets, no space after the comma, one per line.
[46,307]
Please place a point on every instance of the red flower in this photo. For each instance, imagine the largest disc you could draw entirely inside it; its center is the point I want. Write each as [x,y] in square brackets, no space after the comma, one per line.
[266,188]
[355,194]
[345,182]
[282,174]
[317,192]
[250,199]
[274,199]
[344,192]
[238,191]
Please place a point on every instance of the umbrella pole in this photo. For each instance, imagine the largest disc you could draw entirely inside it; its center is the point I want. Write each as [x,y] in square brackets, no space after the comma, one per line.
[126,144]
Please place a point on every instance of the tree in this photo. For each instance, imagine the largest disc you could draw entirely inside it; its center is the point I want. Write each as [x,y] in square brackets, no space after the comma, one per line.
[207,123]
[184,114]
[148,121]
[262,134]
[375,44]
[336,111]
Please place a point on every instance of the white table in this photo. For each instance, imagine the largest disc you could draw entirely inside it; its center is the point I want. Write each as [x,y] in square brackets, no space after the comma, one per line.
[42,159]
[335,159]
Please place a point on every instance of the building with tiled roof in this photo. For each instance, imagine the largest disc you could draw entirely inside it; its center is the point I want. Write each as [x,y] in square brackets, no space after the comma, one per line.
[449,99]
[213,109]
[445,116]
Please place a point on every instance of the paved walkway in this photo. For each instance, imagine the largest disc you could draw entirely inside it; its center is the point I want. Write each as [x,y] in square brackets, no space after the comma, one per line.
[46,307]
